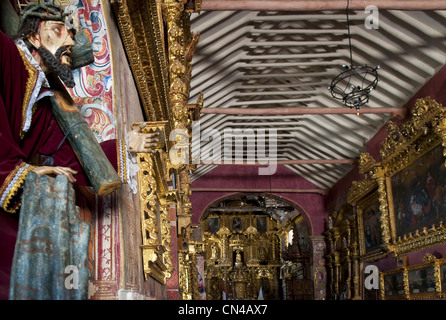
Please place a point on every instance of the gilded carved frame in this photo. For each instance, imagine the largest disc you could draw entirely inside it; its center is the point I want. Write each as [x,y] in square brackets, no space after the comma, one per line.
[370,240]
[404,145]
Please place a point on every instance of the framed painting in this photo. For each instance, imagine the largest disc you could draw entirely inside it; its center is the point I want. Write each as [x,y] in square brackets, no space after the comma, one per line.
[422,281]
[213,225]
[411,181]
[419,194]
[261,224]
[394,285]
[369,224]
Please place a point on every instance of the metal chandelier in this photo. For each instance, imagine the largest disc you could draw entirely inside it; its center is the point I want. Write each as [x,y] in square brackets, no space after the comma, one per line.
[354,85]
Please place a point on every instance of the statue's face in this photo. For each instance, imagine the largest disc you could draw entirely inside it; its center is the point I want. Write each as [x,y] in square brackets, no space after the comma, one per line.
[55,37]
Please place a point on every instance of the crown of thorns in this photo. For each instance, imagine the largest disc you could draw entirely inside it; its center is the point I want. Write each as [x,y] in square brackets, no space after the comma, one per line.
[44,11]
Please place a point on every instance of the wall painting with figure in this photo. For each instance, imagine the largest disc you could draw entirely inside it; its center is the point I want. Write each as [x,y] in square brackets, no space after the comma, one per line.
[418,191]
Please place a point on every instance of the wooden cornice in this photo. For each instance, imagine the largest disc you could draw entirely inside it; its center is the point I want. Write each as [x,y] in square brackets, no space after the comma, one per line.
[141,28]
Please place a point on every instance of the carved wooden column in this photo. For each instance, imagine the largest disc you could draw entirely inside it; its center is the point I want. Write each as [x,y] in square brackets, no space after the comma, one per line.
[223,233]
[185,275]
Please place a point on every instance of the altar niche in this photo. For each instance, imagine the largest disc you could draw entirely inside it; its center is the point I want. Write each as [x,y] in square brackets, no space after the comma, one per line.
[241,252]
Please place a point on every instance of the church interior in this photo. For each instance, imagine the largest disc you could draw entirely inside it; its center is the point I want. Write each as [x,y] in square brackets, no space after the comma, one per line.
[302,150]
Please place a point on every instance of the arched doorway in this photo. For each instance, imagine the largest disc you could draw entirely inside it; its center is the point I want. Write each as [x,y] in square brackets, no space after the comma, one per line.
[247,249]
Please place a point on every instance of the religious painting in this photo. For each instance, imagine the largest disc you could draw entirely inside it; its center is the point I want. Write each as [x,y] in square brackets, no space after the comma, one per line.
[263,251]
[261,224]
[419,195]
[394,287]
[302,237]
[369,224]
[422,280]
[237,223]
[213,225]
[372,227]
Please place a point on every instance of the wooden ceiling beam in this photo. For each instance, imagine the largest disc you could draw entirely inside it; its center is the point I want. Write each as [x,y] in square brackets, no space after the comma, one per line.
[319,5]
[401,112]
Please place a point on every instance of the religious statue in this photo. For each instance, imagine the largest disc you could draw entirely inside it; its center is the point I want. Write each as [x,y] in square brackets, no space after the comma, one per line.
[33,104]
[238,259]
[214,251]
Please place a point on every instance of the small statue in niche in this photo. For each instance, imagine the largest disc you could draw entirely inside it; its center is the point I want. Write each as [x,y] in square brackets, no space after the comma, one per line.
[214,251]
[330,223]
[238,259]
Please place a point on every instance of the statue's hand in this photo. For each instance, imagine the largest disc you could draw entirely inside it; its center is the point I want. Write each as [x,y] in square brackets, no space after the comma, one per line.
[68,172]
[142,142]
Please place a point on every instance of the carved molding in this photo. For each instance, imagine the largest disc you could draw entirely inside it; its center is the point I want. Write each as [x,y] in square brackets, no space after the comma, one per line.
[142,32]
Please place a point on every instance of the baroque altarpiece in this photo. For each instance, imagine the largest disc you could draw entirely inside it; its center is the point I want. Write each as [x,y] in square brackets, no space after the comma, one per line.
[241,256]
[248,246]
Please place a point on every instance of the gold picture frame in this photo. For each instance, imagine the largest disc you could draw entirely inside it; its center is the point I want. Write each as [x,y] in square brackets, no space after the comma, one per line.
[424,281]
[407,145]
[369,227]
[394,284]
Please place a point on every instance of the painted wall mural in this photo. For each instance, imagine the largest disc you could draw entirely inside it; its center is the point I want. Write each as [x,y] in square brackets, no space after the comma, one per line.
[93,92]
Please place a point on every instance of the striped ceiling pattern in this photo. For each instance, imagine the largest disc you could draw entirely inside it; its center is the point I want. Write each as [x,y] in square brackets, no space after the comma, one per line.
[263,72]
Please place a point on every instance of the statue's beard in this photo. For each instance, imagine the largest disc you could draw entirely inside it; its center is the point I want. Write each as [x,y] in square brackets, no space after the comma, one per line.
[53,63]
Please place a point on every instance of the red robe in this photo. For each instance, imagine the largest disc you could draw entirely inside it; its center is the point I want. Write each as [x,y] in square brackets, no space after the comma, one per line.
[18,79]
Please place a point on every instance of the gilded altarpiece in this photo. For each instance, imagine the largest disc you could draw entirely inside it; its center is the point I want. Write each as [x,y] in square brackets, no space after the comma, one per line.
[241,256]
[400,201]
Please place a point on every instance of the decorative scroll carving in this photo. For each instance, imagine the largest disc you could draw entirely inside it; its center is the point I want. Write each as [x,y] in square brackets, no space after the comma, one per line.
[166,237]
[157,261]
[149,223]
[366,163]
[141,26]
